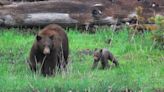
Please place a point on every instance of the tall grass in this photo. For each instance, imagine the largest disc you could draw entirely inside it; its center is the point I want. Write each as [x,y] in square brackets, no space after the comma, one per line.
[141,65]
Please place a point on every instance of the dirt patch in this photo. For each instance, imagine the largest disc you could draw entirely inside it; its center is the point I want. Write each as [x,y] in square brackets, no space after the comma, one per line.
[85,52]
[159,90]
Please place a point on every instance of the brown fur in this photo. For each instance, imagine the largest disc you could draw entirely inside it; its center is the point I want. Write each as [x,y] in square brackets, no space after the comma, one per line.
[103,55]
[50,49]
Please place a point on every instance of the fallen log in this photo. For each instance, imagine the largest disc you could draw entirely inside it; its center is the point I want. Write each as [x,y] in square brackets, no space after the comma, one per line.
[47,12]
[66,13]
[42,19]
[33,19]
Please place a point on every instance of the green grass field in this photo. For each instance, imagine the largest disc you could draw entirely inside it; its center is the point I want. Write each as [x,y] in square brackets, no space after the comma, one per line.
[141,65]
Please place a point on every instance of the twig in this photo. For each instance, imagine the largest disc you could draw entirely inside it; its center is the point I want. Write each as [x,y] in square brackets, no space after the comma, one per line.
[42,62]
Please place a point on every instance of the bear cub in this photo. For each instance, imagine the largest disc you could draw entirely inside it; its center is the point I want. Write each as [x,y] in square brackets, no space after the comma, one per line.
[103,55]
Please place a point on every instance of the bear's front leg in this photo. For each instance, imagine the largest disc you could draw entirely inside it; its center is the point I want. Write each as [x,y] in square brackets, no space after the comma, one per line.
[104,63]
[49,66]
[47,70]
[95,63]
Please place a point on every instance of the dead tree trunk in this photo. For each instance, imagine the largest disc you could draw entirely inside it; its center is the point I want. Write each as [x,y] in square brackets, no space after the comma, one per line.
[46,12]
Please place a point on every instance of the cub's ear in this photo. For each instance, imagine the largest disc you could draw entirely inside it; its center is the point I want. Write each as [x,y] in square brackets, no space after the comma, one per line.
[52,37]
[101,50]
[38,38]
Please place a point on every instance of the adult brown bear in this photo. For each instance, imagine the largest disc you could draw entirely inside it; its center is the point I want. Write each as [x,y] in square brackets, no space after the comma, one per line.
[51,49]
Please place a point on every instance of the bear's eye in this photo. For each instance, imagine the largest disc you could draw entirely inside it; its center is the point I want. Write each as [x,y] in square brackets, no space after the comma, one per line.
[38,38]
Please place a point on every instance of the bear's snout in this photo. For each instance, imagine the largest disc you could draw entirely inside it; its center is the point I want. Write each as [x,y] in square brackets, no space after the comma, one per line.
[46,50]
[95,57]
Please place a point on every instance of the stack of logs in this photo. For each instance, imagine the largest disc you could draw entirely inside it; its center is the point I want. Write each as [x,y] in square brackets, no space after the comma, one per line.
[75,12]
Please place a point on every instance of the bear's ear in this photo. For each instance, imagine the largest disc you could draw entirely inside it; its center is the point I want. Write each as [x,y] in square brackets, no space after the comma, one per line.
[38,38]
[95,49]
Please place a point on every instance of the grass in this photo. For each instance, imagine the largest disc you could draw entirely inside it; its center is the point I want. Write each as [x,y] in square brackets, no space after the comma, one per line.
[141,65]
